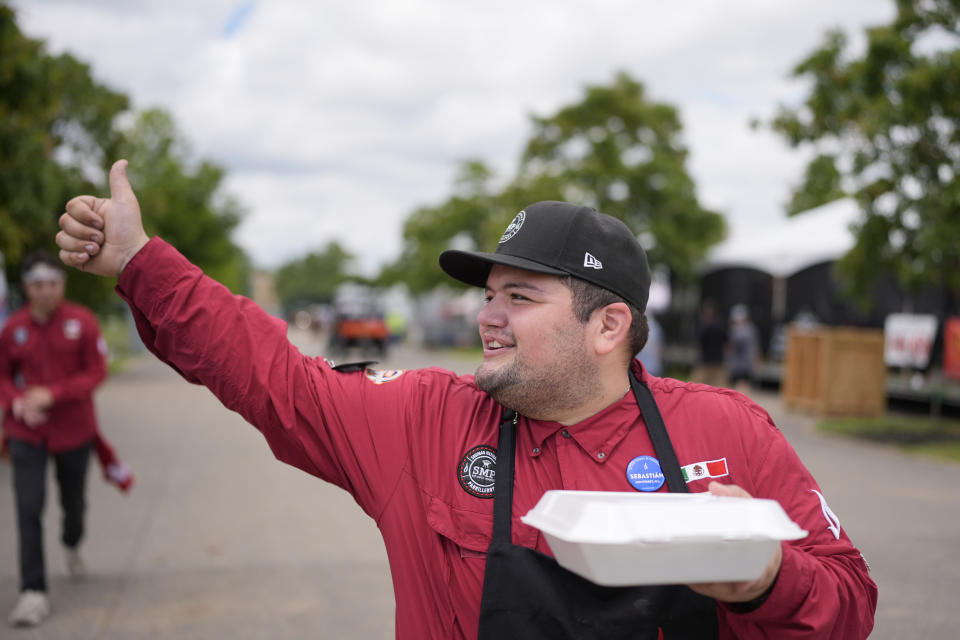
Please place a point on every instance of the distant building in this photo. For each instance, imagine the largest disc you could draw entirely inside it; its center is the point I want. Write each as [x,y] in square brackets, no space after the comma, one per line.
[786,271]
[263,291]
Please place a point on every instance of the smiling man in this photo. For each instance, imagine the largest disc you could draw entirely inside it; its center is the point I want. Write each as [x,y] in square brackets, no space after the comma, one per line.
[447,464]
[521,374]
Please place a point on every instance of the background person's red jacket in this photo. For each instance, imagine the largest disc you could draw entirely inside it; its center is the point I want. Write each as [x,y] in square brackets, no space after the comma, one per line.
[67,355]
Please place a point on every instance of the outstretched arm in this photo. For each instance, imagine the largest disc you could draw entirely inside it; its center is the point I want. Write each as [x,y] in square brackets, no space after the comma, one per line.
[314,418]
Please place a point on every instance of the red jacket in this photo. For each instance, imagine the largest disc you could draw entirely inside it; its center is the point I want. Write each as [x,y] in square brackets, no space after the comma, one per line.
[67,355]
[398,441]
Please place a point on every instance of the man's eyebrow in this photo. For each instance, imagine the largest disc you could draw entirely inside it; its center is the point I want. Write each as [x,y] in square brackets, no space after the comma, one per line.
[521,284]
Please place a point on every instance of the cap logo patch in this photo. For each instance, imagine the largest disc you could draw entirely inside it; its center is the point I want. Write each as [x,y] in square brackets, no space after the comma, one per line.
[590,262]
[477,471]
[513,227]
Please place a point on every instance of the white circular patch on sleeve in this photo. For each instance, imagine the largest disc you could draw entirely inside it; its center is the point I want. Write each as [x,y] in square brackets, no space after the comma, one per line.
[381,377]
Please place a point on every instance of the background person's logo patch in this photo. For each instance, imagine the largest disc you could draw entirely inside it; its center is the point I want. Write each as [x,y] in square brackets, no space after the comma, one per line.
[514,226]
[477,471]
[72,329]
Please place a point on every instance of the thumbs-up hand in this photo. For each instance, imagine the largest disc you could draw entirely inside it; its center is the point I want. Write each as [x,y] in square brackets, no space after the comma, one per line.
[99,235]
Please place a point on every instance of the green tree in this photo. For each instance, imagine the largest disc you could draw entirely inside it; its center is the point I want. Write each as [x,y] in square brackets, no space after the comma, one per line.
[621,152]
[615,150]
[57,134]
[472,218]
[822,183]
[884,125]
[313,278]
[182,201]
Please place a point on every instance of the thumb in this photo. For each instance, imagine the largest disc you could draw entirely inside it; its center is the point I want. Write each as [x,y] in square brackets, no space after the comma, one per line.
[120,189]
[729,490]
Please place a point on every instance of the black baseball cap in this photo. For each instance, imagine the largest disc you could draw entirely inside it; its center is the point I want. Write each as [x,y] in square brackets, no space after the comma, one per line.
[559,238]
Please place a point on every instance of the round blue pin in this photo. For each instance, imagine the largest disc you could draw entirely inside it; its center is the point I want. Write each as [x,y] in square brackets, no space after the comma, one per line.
[644,473]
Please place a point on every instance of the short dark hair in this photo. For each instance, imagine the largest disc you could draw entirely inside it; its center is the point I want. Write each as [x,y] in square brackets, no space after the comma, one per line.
[39,257]
[588,297]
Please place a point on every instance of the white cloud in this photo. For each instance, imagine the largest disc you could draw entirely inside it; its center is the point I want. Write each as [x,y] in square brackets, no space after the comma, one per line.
[336,120]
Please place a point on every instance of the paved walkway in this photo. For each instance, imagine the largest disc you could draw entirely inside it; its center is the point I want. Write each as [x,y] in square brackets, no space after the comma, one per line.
[218,540]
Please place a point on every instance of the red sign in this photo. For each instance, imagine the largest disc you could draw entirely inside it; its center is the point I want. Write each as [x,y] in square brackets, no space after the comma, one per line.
[951,348]
[908,339]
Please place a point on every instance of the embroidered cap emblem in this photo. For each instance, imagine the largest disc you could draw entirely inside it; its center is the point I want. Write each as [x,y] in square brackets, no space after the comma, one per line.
[591,262]
[477,471]
[513,227]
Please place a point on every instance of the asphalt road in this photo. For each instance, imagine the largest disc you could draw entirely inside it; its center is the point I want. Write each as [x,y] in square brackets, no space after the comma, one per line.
[218,540]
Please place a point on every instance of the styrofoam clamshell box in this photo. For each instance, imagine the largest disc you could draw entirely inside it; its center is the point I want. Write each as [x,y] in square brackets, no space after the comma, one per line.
[620,539]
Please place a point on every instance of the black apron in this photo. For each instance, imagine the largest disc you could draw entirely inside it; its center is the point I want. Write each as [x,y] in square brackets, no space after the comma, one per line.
[528,596]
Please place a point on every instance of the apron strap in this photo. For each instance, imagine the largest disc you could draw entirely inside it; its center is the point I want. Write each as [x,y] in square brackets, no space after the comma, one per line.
[658,435]
[506,454]
[503,481]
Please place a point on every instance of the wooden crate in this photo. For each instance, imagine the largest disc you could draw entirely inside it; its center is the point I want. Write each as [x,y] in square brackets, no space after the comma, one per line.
[835,371]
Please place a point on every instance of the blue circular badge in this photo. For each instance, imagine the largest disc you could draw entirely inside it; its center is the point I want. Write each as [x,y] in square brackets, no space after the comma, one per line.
[644,473]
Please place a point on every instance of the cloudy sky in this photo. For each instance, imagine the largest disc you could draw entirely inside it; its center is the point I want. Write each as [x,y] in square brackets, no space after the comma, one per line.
[337,119]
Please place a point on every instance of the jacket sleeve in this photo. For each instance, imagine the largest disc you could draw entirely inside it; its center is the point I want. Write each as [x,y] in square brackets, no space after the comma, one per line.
[824,589]
[8,391]
[338,426]
[93,367]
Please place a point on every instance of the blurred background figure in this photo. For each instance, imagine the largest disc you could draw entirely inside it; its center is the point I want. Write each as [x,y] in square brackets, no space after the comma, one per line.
[742,349]
[52,357]
[397,325]
[711,341]
[652,353]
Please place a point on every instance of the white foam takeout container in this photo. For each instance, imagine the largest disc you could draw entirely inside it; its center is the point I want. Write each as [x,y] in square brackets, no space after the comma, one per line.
[619,539]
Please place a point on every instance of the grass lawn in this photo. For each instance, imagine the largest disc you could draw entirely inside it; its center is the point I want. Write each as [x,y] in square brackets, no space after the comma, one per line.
[916,434]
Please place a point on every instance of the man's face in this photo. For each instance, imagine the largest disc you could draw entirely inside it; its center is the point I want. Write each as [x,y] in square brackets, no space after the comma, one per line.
[535,356]
[44,295]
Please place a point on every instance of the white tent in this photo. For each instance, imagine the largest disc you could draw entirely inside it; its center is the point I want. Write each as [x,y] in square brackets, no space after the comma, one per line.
[795,243]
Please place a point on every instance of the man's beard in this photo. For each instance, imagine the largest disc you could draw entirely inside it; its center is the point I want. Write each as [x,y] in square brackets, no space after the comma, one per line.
[566,381]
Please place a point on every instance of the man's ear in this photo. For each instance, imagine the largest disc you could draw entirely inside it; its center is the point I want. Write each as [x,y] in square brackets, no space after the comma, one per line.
[611,326]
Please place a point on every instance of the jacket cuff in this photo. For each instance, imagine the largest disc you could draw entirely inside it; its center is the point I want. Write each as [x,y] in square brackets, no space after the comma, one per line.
[789,591]
[149,273]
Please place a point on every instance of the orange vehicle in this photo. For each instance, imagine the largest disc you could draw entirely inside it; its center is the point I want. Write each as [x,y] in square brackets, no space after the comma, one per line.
[359,324]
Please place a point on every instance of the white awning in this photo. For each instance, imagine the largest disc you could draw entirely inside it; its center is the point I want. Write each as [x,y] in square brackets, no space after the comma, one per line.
[795,243]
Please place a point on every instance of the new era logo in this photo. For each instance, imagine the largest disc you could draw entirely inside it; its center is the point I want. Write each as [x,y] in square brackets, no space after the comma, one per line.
[591,262]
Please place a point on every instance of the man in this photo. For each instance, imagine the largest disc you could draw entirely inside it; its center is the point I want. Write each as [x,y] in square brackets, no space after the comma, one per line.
[743,349]
[651,356]
[430,455]
[51,360]
[711,343]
